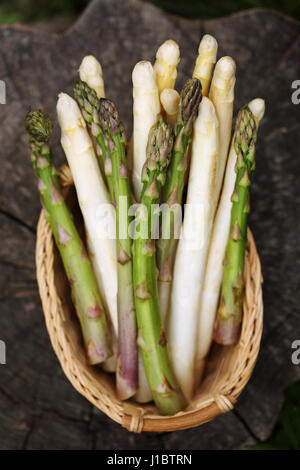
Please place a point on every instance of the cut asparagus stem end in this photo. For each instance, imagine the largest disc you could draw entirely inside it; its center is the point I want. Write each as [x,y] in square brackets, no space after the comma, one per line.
[126,387]
[227,332]
[170,403]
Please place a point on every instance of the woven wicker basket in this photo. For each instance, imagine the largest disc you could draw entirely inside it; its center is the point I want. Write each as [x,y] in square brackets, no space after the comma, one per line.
[227,372]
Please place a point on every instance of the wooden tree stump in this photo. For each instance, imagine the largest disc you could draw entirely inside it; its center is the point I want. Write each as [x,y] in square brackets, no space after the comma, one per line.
[39,409]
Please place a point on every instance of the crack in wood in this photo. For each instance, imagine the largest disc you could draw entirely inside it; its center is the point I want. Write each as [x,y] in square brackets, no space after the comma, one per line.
[246,426]
[19,221]
[19,290]
[44,410]
[28,434]
[11,264]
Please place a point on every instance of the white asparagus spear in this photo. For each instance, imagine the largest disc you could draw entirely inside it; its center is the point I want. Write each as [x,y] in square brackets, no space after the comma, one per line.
[90,71]
[214,266]
[93,198]
[192,247]
[169,99]
[222,95]
[207,56]
[146,109]
[165,67]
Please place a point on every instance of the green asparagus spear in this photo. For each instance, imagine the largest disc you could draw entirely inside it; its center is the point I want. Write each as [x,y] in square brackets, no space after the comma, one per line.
[85,294]
[229,317]
[127,365]
[190,98]
[89,105]
[151,336]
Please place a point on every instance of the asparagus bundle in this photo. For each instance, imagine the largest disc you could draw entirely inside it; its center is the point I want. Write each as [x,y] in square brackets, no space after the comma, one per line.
[214,267]
[229,315]
[192,247]
[151,336]
[134,280]
[85,293]
[173,189]
[113,129]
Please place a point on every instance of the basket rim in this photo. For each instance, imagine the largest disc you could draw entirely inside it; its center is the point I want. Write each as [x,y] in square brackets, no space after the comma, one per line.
[137,417]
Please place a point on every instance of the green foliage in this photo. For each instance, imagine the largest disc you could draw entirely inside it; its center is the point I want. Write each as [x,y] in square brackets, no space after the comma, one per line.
[214,8]
[286,434]
[26,11]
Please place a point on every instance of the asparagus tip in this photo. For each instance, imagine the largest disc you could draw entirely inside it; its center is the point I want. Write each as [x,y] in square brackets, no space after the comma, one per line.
[143,75]
[110,118]
[126,386]
[257,107]
[38,125]
[169,52]
[208,44]
[226,67]
[85,96]
[89,67]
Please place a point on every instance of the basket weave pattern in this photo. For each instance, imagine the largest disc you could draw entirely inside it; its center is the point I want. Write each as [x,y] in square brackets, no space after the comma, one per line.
[228,370]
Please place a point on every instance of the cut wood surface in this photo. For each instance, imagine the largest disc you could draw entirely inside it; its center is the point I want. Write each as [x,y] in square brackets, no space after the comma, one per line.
[39,409]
